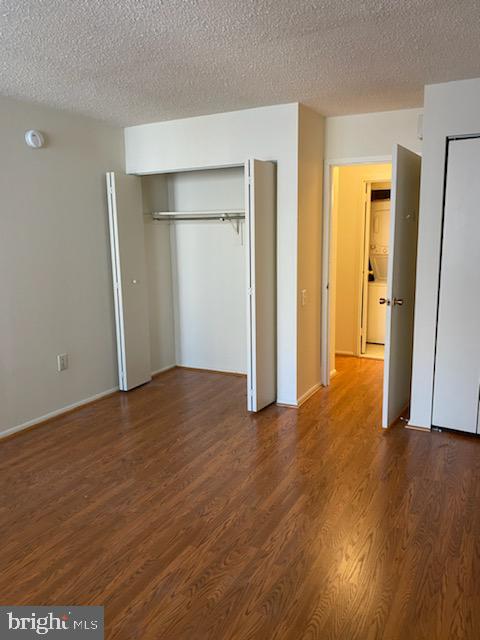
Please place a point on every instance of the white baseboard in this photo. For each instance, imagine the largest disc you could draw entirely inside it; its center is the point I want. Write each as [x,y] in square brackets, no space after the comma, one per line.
[167,368]
[208,370]
[308,394]
[57,412]
[303,398]
[344,353]
[417,427]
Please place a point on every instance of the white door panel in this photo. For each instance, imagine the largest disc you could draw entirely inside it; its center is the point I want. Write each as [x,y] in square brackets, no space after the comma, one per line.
[457,361]
[129,279]
[402,259]
[261,283]
[377,312]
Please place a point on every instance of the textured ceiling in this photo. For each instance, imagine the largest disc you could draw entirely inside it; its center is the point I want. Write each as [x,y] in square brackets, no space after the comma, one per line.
[131,61]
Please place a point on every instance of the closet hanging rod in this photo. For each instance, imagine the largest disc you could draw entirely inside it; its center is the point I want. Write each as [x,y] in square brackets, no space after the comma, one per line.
[199,215]
[183,218]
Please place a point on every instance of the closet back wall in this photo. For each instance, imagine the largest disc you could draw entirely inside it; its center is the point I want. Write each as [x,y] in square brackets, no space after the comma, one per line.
[206,264]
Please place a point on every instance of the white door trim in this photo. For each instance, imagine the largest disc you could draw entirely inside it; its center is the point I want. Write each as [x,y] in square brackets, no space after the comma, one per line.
[326,244]
[363,270]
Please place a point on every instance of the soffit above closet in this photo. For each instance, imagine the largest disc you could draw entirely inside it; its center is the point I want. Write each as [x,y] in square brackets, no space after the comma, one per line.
[131,62]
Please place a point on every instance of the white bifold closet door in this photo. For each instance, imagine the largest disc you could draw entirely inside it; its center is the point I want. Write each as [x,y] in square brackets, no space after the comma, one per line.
[457,360]
[127,245]
[260,223]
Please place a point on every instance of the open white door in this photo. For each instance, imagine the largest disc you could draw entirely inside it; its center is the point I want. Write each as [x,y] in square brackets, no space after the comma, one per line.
[129,279]
[261,283]
[402,259]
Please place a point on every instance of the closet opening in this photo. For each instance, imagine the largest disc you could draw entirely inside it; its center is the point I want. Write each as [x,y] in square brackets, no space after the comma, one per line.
[194,225]
[194,274]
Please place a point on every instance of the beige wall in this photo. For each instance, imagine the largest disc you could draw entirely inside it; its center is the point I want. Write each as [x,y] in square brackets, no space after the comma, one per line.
[310,181]
[347,241]
[55,289]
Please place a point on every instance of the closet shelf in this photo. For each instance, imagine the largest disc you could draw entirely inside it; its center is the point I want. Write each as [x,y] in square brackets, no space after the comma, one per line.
[225,214]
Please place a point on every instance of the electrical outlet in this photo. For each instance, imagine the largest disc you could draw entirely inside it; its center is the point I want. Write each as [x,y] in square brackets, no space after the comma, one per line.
[62,361]
[304,297]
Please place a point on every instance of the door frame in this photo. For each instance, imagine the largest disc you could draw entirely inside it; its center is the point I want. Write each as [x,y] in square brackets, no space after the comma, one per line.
[329,165]
[364,260]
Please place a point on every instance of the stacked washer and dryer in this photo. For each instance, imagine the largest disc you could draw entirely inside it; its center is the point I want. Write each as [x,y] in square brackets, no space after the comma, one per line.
[378,257]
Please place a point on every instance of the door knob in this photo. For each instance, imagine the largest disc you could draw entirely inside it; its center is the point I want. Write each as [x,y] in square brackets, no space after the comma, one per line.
[398,301]
[384,301]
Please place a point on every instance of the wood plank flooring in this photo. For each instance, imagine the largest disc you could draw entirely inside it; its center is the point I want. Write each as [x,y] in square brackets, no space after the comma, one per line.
[188,518]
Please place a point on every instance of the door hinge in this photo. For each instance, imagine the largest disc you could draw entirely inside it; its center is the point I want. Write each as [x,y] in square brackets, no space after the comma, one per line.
[250,291]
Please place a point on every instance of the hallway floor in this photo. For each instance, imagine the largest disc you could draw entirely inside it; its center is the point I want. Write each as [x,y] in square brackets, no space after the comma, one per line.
[374,351]
[190,519]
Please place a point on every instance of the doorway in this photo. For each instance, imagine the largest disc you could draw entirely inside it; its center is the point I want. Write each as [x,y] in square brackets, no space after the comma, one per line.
[364,200]
[360,213]
[374,268]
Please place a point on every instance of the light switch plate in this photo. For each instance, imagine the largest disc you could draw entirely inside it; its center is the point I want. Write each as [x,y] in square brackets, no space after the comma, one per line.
[62,361]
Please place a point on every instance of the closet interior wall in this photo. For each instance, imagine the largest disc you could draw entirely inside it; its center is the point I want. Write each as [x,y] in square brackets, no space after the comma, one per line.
[196,271]
[159,273]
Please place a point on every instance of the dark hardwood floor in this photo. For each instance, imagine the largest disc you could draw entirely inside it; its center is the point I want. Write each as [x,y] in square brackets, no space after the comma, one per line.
[189,519]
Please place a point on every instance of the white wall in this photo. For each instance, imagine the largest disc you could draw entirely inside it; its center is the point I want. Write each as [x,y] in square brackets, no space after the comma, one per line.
[310,193]
[451,108]
[269,133]
[371,135]
[56,287]
[197,272]
[209,272]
